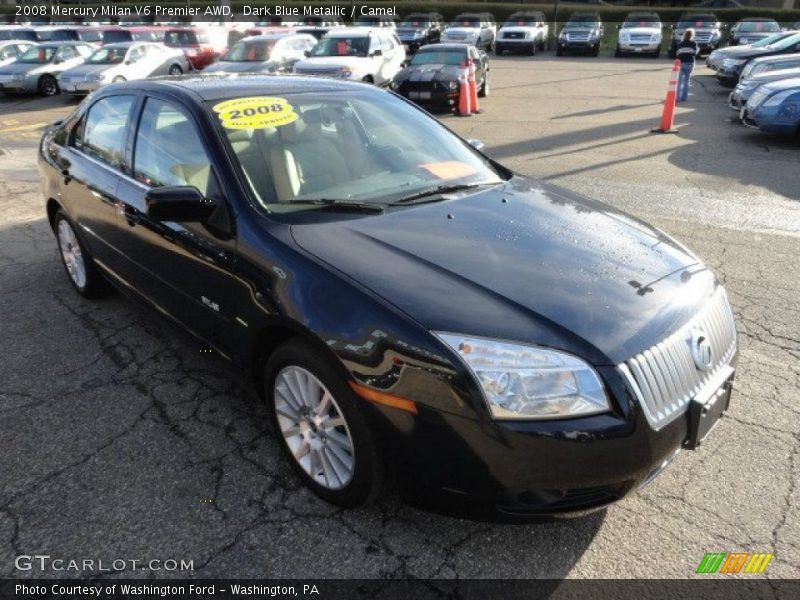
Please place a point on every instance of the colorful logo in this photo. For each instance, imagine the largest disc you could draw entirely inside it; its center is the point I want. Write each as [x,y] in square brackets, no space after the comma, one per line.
[734,562]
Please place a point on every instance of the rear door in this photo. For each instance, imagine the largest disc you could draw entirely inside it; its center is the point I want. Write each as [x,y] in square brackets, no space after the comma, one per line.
[184,269]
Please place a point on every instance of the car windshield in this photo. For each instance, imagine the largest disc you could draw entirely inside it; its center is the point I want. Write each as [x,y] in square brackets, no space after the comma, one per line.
[64,35]
[250,51]
[439,57]
[415,22]
[775,37]
[467,22]
[115,37]
[759,27]
[40,54]
[357,147]
[107,56]
[181,38]
[341,46]
[642,22]
[701,23]
[583,22]
[785,43]
[520,21]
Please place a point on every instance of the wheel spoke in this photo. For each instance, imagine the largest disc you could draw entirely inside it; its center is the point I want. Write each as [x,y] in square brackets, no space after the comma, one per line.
[333,422]
[294,390]
[288,398]
[328,469]
[292,431]
[340,439]
[341,458]
[322,407]
[287,410]
[303,450]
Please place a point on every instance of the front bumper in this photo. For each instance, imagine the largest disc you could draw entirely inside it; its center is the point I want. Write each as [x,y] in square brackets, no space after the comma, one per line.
[571,46]
[637,48]
[532,468]
[18,86]
[78,87]
[770,119]
[514,43]
[737,100]
[434,97]
[728,75]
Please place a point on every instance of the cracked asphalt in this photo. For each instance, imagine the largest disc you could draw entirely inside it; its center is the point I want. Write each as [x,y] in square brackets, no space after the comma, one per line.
[119,439]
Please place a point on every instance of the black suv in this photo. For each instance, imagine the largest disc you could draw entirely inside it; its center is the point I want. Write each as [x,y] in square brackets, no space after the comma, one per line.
[419,29]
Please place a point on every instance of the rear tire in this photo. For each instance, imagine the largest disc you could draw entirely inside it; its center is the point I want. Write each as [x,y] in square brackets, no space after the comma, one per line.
[84,276]
[484,91]
[118,79]
[368,79]
[318,422]
[175,70]
[559,52]
[657,53]
[48,86]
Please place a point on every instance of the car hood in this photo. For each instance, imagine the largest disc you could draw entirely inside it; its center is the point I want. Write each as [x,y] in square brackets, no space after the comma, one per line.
[770,76]
[411,30]
[331,61]
[783,84]
[18,67]
[462,30]
[517,28]
[641,30]
[522,261]
[84,69]
[428,73]
[228,66]
[750,52]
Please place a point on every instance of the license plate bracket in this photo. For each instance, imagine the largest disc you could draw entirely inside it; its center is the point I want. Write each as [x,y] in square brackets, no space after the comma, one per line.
[706,410]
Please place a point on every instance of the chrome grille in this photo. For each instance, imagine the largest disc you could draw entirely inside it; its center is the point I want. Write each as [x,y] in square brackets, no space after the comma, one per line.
[578,36]
[702,37]
[640,38]
[664,378]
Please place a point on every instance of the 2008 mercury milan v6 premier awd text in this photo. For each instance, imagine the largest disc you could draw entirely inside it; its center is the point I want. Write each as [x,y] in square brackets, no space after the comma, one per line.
[405,305]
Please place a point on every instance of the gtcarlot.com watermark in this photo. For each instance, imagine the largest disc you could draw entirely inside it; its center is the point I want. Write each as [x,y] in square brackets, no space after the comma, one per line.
[47,564]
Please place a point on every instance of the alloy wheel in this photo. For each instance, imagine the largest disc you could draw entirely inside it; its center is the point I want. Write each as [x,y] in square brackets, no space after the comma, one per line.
[314,428]
[71,254]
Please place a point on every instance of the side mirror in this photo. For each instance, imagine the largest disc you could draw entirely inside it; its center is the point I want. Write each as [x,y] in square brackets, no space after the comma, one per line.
[307,53]
[477,144]
[180,203]
[377,53]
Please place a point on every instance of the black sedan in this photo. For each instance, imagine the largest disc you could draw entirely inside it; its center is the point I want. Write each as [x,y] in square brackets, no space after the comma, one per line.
[732,65]
[431,76]
[403,304]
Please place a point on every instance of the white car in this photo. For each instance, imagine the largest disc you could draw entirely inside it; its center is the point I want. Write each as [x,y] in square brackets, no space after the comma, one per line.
[640,33]
[122,62]
[474,29]
[373,55]
[13,49]
[526,31]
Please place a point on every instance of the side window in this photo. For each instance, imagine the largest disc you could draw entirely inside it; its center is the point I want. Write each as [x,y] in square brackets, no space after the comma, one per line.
[169,150]
[101,133]
[85,51]
[8,52]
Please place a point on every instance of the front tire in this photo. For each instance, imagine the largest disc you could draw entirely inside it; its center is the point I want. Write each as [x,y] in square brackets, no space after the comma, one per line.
[118,79]
[78,263]
[484,90]
[175,70]
[320,425]
[48,86]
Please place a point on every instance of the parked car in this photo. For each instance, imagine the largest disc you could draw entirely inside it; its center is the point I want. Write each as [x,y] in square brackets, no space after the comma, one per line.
[583,32]
[747,87]
[432,74]
[18,33]
[640,33]
[119,35]
[718,4]
[202,46]
[356,53]
[273,52]
[470,28]
[775,107]
[37,69]
[707,28]
[752,30]
[90,35]
[714,60]
[343,247]
[317,31]
[731,68]
[525,31]
[758,66]
[419,29]
[12,50]
[319,21]
[122,62]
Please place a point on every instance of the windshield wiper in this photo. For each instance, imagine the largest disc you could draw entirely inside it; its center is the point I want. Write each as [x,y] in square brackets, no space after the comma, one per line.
[343,205]
[436,194]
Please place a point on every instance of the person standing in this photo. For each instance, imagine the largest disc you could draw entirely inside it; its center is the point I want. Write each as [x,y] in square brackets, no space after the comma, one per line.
[686,53]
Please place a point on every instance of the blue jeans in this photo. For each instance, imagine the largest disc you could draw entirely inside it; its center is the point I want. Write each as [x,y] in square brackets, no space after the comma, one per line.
[683,81]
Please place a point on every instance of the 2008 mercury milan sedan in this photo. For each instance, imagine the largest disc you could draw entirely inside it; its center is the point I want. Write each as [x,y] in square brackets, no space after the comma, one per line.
[404,305]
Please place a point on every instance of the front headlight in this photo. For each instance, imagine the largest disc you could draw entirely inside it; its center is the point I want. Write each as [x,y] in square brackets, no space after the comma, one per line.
[521,381]
[97,77]
[345,72]
[452,85]
[18,77]
[733,62]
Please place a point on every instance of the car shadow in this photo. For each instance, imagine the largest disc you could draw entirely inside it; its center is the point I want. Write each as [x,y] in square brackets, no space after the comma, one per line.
[116,421]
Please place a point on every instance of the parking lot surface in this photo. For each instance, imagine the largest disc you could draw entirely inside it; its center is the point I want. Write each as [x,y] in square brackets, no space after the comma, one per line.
[121,440]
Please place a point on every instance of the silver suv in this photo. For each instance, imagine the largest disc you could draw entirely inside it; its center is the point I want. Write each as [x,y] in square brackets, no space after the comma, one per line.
[707,29]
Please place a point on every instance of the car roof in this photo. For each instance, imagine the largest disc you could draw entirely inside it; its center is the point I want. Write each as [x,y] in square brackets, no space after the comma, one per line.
[757,19]
[124,44]
[272,35]
[526,13]
[213,87]
[435,47]
[354,31]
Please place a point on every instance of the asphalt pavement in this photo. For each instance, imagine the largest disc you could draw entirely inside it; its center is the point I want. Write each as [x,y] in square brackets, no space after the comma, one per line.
[119,439]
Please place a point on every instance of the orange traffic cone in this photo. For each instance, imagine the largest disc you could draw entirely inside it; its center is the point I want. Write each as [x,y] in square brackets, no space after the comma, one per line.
[473,87]
[464,104]
[668,114]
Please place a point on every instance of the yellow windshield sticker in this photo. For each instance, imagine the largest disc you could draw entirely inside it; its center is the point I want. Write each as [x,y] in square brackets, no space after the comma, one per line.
[449,169]
[255,113]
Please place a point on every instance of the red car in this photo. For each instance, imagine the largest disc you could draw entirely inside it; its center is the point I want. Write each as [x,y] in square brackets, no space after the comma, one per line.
[202,46]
